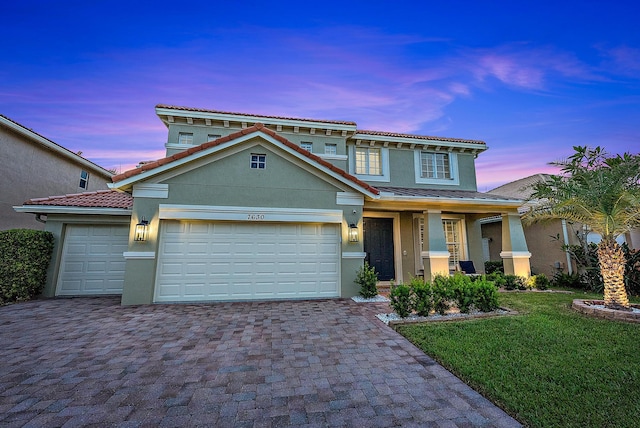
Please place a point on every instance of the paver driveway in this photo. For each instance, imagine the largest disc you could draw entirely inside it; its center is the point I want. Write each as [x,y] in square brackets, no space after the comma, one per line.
[89,361]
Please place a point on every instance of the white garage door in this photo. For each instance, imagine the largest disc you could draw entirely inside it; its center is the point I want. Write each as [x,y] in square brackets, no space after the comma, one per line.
[92,261]
[242,261]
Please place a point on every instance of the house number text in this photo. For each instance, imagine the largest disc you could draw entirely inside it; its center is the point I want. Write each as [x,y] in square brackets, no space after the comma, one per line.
[255,216]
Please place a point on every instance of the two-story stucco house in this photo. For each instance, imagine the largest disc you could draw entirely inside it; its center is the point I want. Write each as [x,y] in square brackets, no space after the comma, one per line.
[34,165]
[249,206]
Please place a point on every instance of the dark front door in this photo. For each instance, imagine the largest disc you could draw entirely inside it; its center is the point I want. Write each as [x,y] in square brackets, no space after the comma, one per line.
[378,244]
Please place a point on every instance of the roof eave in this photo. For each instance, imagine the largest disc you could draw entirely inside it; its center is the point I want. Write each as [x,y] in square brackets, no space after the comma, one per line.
[63,209]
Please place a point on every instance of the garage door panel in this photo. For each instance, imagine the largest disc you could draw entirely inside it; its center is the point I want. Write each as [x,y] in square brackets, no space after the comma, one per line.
[249,260]
[92,261]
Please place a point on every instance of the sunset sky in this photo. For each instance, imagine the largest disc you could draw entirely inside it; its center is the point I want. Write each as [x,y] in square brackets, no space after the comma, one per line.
[532,79]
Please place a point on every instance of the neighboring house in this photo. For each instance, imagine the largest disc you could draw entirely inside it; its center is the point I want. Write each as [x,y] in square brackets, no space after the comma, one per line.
[250,206]
[545,240]
[33,165]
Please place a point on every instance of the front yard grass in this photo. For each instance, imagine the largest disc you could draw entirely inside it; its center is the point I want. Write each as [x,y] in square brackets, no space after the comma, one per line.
[548,366]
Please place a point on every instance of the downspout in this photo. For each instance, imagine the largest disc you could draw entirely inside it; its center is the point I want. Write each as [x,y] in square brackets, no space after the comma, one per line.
[566,243]
[39,219]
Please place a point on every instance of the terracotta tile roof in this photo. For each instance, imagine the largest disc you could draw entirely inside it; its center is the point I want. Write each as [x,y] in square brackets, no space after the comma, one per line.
[437,193]
[255,128]
[99,199]
[339,122]
[419,137]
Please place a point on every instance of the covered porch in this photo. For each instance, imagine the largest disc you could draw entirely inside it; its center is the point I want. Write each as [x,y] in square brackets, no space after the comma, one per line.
[415,232]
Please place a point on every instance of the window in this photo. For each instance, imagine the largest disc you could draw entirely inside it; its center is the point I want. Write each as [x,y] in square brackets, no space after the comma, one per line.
[258,161]
[212,137]
[84,180]
[435,165]
[330,149]
[307,146]
[368,161]
[436,168]
[185,138]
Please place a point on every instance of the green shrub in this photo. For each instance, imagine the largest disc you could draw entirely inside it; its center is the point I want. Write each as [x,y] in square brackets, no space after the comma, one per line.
[401,301]
[512,282]
[367,279]
[24,259]
[422,297]
[497,278]
[462,290]
[567,280]
[486,296]
[441,294]
[491,267]
[541,282]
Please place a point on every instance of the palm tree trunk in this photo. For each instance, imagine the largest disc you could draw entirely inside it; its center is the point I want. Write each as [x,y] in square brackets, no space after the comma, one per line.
[612,262]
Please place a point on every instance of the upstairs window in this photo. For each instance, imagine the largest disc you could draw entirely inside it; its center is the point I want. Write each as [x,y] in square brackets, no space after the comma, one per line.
[330,149]
[436,168]
[212,137]
[84,180]
[435,165]
[258,161]
[307,146]
[368,161]
[185,138]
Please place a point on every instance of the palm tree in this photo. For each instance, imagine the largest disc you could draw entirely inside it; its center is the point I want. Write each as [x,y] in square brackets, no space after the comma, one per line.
[599,191]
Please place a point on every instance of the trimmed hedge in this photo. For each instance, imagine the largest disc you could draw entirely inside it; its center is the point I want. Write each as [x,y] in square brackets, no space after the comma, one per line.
[24,258]
[458,290]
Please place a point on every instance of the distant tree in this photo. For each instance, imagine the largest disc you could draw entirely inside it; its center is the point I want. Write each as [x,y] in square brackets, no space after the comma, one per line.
[602,192]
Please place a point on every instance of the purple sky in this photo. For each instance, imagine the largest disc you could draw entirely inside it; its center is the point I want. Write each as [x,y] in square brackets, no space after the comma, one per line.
[532,79]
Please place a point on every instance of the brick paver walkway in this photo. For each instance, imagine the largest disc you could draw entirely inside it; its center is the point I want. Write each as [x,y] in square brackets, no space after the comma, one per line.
[89,361]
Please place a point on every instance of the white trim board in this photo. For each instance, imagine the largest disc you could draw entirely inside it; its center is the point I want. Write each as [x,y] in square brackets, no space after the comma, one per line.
[252,214]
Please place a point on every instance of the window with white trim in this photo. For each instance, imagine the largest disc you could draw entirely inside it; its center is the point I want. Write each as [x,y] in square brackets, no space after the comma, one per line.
[185,138]
[308,146]
[211,137]
[368,161]
[435,165]
[84,180]
[258,161]
[330,149]
[436,168]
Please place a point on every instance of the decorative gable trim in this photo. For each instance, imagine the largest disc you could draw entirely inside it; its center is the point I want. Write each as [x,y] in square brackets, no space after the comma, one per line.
[151,190]
[129,178]
[349,198]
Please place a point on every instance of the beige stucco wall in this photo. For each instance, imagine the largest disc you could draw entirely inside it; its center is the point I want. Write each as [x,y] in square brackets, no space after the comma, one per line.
[542,242]
[29,170]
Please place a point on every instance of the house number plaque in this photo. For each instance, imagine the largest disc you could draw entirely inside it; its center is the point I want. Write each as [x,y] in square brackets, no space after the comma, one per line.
[255,217]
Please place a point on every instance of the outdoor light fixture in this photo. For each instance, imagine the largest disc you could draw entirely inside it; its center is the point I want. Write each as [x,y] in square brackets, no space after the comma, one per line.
[141,230]
[353,233]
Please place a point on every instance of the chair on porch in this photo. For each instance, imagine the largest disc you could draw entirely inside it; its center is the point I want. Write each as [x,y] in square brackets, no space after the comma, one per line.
[467,267]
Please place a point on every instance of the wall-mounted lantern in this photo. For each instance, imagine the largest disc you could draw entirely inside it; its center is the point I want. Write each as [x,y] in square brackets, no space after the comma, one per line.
[353,233]
[141,230]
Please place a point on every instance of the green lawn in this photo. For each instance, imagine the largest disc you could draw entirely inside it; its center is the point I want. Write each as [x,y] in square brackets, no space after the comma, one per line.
[548,366]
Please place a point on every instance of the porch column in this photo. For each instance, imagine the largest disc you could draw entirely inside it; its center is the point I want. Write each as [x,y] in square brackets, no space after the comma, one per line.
[435,255]
[515,254]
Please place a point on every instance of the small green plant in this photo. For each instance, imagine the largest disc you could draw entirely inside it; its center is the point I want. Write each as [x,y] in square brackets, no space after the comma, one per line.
[401,300]
[567,280]
[495,266]
[541,282]
[422,297]
[367,279]
[486,296]
[513,282]
[441,294]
